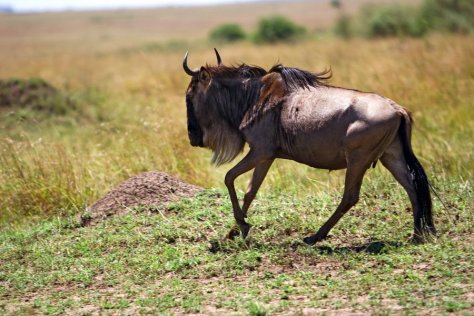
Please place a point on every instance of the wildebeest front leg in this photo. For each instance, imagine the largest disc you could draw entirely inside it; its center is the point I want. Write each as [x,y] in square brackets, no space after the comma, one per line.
[250,161]
[353,181]
[257,178]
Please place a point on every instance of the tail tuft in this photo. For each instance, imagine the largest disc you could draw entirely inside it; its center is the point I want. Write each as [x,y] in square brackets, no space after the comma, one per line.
[424,214]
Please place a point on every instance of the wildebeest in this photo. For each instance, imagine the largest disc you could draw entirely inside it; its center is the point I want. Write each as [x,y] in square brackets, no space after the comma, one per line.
[295,114]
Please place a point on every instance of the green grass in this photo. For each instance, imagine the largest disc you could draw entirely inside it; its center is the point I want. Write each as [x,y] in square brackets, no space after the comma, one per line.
[176,261]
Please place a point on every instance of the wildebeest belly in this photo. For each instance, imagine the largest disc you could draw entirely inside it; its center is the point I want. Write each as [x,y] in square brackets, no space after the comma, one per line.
[314,135]
[319,126]
[315,151]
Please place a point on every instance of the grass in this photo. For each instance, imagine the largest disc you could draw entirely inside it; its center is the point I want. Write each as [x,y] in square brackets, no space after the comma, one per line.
[131,118]
[175,262]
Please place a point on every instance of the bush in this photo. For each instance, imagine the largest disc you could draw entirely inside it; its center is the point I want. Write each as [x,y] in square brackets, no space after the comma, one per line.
[449,15]
[227,33]
[456,16]
[393,21]
[276,29]
[343,27]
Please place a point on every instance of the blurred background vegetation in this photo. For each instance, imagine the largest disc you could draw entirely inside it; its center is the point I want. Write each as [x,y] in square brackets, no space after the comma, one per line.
[450,16]
[372,21]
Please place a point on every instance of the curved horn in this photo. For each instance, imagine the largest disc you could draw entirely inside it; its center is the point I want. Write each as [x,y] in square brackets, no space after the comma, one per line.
[219,60]
[190,72]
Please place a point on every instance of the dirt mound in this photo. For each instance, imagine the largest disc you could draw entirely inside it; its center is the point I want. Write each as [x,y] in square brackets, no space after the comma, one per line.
[35,94]
[148,189]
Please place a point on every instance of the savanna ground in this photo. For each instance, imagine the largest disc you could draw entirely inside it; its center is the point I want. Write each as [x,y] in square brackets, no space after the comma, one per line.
[127,85]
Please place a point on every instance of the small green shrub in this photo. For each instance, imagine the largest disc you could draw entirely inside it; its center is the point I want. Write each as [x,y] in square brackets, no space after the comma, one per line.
[455,16]
[277,29]
[343,27]
[227,33]
[336,4]
[393,21]
[256,309]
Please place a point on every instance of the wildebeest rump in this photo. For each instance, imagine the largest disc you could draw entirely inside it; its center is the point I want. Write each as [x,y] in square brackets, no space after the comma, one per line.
[294,114]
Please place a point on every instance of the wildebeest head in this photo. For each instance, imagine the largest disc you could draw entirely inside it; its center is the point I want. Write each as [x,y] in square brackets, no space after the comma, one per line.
[197,114]
[217,99]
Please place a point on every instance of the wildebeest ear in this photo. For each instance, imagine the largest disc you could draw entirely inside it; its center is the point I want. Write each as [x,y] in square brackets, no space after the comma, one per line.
[204,75]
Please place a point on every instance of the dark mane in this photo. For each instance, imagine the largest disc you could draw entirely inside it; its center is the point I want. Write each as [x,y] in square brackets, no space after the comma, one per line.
[242,94]
[295,78]
[232,91]
[243,71]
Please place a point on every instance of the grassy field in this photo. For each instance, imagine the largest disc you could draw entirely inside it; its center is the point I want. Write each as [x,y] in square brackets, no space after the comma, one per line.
[173,262]
[129,86]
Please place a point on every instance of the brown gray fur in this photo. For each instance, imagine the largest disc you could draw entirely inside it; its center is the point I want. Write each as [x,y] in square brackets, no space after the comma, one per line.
[232,91]
[294,114]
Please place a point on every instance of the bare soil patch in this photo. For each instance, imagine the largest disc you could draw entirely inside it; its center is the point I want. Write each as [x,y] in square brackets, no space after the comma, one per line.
[148,189]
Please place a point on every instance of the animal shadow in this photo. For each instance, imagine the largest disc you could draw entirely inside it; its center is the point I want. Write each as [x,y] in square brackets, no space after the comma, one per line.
[372,247]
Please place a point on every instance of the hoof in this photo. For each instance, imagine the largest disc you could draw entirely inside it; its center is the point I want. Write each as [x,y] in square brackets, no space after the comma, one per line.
[417,239]
[311,240]
[233,232]
[244,229]
[425,236]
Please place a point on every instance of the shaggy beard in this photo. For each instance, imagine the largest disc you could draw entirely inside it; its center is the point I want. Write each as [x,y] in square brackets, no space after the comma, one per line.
[224,142]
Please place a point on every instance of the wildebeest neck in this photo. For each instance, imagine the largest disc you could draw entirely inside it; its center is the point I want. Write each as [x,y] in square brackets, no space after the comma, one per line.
[231,98]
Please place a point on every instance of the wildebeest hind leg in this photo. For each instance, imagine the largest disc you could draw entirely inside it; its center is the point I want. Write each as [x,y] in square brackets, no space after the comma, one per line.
[394,161]
[353,181]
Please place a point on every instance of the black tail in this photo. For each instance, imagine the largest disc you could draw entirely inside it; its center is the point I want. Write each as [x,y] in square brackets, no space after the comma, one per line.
[423,215]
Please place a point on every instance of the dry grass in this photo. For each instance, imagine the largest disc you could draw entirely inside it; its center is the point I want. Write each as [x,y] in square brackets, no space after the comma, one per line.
[135,101]
[143,125]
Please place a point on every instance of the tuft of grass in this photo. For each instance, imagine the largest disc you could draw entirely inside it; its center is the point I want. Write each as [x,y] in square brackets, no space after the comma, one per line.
[256,309]
[35,186]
